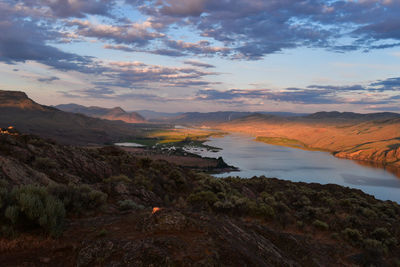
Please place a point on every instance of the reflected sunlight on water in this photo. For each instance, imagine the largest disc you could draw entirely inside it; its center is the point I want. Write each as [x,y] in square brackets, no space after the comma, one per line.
[256,159]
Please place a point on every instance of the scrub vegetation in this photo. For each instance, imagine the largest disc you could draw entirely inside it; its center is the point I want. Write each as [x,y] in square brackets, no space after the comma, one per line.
[100,190]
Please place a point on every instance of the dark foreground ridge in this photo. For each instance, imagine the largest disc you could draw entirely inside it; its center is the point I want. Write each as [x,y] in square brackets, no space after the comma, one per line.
[17,109]
[73,206]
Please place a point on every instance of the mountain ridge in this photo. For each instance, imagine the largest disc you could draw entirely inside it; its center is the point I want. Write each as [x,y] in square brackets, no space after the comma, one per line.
[116,113]
[18,110]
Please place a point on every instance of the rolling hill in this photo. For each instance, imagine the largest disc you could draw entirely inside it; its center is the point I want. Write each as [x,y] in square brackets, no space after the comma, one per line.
[18,110]
[206,118]
[366,137]
[116,113]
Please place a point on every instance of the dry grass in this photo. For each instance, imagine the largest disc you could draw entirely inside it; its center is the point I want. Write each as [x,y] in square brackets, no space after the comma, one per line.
[370,141]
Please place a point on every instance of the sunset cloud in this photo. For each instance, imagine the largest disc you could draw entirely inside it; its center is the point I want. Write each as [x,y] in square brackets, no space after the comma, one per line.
[202,48]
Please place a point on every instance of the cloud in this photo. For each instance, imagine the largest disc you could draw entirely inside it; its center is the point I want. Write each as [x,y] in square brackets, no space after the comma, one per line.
[251,29]
[385,108]
[198,64]
[65,8]
[237,29]
[299,96]
[388,84]
[77,8]
[105,93]
[132,74]
[48,79]
[132,33]
[339,88]
[120,47]
[202,47]
[381,92]
[24,40]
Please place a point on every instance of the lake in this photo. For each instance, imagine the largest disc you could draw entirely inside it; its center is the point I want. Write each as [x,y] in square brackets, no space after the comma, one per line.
[256,159]
[129,144]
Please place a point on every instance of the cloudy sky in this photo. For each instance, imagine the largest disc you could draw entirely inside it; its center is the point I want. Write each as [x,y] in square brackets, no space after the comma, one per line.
[204,55]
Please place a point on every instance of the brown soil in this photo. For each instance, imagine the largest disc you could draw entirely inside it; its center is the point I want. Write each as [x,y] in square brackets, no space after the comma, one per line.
[171,238]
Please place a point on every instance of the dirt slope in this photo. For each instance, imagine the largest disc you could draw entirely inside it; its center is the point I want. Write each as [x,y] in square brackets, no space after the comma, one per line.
[360,138]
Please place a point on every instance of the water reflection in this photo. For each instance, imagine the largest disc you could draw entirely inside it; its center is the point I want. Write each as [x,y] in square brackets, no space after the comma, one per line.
[256,159]
[391,169]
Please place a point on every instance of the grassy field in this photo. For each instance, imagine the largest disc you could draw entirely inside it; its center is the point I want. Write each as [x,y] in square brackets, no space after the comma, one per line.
[178,135]
[178,138]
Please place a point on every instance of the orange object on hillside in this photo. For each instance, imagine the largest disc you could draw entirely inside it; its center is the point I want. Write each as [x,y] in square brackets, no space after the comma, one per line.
[156,209]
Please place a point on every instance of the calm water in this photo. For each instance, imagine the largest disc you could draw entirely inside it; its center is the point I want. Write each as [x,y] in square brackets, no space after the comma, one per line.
[129,144]
[256,158]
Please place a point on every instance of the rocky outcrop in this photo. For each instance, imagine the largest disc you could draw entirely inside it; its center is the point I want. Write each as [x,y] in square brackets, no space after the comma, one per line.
[17,99]
[386,156]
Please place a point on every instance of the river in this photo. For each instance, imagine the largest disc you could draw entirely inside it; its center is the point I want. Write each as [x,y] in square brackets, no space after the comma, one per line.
[256,159]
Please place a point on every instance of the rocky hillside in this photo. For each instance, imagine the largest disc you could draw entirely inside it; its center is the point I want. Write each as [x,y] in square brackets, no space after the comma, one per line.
[367,137]
[15,99]
[116,113]
[105,207]
[16,109]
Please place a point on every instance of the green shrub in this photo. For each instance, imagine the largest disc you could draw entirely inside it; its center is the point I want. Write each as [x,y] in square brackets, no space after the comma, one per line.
[280,207]
[328,201]
[352,221]
[44,163]
[335,236]
[102,233]
[12,213]
[374,247]
[223,205]
[320,225]
[79,199]
[177,177]
[118,178]
[302,202]
[4,193]
[390,242]
[267,198]
[262,210]
[345,203]
[203,198]
[300,224]
[368,213]
[128,204]
[33,205]
[143,181]
[7,231]
[144,163]
[380,233]
[352,235]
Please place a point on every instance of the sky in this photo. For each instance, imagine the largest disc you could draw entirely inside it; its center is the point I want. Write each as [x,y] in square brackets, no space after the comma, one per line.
[204,55]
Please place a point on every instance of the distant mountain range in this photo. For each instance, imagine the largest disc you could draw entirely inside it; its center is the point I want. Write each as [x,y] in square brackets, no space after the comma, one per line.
[116,113]
[16,109]
[353,116]
[371,137]
[209,118]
